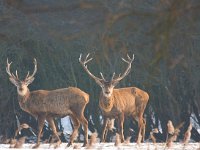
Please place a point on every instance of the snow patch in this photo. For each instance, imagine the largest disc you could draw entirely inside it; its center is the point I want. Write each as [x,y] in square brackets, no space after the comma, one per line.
[67,128]
[107,146]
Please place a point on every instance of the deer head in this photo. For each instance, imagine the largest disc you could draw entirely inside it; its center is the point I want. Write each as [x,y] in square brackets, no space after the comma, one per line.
[106,86]
[22,85]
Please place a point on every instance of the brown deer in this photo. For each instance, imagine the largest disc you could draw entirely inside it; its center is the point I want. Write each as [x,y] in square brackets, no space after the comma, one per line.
[116,103]
[46,105]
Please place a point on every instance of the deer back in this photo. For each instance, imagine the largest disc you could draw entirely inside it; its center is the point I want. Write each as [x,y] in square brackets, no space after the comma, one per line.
[58,102]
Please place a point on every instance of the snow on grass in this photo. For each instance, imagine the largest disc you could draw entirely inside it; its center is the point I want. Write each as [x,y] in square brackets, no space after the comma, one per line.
[143,146]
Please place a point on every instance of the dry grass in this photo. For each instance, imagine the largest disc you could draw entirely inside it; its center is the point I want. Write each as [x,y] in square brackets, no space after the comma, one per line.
[152,137]
[127,141]
[12,142]
[22,126]
[172,133]
[117,140]
[17,143]
[92,141]
[187,135]
[93,138]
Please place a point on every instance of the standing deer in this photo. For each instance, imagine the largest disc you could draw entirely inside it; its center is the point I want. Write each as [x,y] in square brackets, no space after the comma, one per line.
[116,103]
[46,105]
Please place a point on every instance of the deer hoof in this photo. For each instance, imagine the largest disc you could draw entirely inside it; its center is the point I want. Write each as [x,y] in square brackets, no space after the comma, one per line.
[138,142]
[85,144]
[35,146]
[103,141]
[57,144]
[69,144]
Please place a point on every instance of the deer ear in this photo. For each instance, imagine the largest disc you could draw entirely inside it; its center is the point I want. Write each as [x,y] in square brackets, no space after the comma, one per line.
[29,81]
[13,81]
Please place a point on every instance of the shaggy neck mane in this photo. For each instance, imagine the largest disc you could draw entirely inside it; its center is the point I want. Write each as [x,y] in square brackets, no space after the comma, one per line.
[23,99]
[106,103]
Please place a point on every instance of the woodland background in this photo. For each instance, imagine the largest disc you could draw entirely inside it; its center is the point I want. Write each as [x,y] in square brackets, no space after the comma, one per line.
[164,35]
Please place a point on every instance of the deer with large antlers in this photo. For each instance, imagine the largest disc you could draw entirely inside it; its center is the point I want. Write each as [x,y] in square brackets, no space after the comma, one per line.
[46,105]
[116,103]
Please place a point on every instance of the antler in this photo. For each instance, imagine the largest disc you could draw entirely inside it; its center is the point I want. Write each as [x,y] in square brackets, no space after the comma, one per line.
[29,77]
[128,61]
[84,62]
[15,77]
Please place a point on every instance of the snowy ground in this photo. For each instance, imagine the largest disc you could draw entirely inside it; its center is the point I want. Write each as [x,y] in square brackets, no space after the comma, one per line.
[143,146]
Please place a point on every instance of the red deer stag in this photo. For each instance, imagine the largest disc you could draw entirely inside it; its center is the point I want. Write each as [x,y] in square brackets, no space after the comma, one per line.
[46,105]
[116,103]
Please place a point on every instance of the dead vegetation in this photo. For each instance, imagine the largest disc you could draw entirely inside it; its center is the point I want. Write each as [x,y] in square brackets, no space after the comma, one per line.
[172,133]
[92,141]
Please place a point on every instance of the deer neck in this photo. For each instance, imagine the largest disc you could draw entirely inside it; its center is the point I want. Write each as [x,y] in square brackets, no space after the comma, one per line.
[23,98]
[106,103]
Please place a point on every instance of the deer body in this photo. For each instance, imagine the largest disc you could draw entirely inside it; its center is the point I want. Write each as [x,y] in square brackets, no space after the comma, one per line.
[46,105]
[116,103]
[60,102]
[130,101]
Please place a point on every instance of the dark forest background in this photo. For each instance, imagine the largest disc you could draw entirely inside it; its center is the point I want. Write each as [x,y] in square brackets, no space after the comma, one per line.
[164,35]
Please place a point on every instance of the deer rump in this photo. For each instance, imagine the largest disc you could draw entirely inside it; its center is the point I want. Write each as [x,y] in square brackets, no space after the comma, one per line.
[58,103]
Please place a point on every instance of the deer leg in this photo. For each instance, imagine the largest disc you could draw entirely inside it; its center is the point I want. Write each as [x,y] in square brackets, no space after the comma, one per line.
[53,127]
[141,126]
[143,129]
[76,125]
[84,122]
[105,130]
[121,127]
[41,120]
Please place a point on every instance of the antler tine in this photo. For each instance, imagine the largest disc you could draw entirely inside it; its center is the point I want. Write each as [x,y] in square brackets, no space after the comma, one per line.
[129,61]
[34,72]
[35,67]
[87,56]
[128,57]
[27,74]
[88,60]
[102,76]
[12,74]
[80,57]
[8,67]
[16,74]
[113,76]
[125,60]
[9,73]
[133,57]
[84,62]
